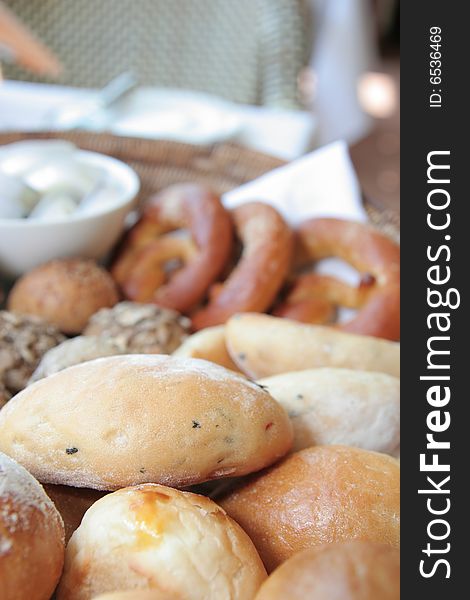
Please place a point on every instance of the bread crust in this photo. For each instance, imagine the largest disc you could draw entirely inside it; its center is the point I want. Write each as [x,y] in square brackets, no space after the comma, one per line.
[319,495]
[31,536]
[130,419]
[65,292]
[152,536]
[355,570]
[262,345]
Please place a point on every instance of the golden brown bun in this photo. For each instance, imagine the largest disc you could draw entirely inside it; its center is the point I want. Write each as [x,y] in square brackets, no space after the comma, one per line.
[138,595]
[72,504]
[262,346]
[316,496]
[346,571]
[208,344]
[340,406]
[154,536]
[31,536]
[65,292]
[139,418]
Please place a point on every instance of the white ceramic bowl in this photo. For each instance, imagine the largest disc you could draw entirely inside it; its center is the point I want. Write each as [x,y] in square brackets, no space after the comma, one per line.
[27,243]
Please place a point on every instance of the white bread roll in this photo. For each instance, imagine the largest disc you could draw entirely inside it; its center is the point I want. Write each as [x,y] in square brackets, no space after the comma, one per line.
[262,346]
[31,536]
[130,419]
[153,536]
[340,406]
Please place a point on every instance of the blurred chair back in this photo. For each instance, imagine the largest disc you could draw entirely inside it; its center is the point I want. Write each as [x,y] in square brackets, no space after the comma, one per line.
[248,51]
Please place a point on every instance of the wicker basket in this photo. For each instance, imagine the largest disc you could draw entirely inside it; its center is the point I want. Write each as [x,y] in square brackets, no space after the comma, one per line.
[161,163]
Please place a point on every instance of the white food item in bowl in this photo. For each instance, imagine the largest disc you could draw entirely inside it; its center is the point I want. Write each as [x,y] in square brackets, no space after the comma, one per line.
[89,233]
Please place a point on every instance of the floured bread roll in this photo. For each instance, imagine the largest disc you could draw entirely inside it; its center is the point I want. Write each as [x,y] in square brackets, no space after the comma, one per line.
[318,496]
[31,536]
[262,345]
[73,352]
[139,418]
[153,536]
[346,571]
[340,406]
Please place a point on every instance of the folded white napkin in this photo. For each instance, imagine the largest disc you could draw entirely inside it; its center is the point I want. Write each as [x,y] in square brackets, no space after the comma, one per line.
[321,184]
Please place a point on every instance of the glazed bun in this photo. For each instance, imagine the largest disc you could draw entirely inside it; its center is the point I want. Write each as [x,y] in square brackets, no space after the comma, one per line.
[65,292]
[31,536]
[345,571]
[317,496]
[151,536]
[340,406]
[124,420]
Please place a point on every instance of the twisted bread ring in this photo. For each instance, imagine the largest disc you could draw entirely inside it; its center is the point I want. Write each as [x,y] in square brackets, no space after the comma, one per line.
[259,274]
[313,298]
[141,268]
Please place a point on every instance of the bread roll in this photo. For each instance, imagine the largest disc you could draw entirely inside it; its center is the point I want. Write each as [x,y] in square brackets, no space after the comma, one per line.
[340,406]
[317,496]
[153,536]
[139,418]
[208,344]
[65,292]
[346,571]
[31,536]
[262,346]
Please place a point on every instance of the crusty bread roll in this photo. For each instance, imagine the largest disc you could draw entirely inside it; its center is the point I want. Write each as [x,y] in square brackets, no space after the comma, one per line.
[31,536]
[340,406]
[208,344]
[153,536]
[262,346]
[345,571]
[316,496]
[140,418]
[65,292]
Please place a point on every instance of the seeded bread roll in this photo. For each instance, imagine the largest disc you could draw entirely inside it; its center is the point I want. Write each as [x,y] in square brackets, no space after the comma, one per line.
[346,571]
[65,292]
[208,344]
[23,341]
[153,536]
[318,496]
[139,418]
[340,406]
[31,536]
[262,346]
[140,328]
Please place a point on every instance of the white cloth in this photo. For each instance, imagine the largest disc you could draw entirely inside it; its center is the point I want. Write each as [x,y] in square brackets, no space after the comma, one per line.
[195,118]
[320,184]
